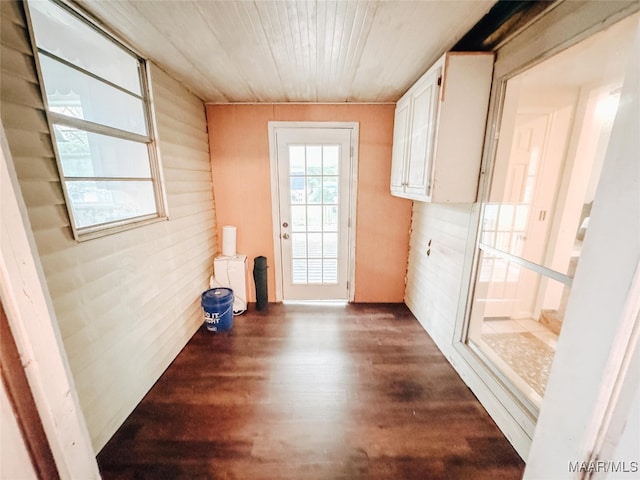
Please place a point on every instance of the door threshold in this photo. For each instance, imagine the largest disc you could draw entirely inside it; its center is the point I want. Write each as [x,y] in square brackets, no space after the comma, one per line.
[324,303]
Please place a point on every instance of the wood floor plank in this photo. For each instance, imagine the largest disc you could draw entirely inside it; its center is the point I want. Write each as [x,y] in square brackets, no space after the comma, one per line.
[308,392]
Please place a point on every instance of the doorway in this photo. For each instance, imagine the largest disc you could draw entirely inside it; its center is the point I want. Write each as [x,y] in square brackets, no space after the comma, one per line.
[554,130]
[313,174]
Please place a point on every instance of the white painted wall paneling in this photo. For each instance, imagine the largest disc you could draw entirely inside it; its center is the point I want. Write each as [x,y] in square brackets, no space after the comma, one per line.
[434,280]
[126,303]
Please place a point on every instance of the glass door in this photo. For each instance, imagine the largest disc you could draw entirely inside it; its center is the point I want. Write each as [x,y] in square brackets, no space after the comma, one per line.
[314,167]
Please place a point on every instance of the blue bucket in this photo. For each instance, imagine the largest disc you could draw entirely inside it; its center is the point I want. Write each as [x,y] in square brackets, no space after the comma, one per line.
[217,304]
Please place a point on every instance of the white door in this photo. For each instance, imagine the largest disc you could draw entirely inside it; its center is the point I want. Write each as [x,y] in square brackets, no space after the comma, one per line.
[313,167]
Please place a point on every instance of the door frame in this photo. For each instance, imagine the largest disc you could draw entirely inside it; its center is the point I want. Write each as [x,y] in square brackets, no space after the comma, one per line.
[32,321]
[563,26]
[273,126]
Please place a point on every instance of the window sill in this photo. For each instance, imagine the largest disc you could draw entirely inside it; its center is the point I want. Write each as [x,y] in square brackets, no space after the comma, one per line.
[98,231]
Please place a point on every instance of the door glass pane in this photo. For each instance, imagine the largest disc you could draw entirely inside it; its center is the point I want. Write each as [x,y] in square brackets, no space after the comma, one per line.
[298,218]
[557,118]
[330,245]
[315,245]
[330,190]
[296,160]
[299,266]
[330,159]
[330,270]
[314,189]
[297,190]
[314,215]
[299,245]
[330,218]
[315,270]
[314,160]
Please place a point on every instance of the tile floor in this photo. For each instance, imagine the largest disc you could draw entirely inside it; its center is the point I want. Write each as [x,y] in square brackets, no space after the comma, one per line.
[521,326]
[535,328]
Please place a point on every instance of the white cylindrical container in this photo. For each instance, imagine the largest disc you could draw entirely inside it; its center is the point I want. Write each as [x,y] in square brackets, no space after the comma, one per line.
[229,240]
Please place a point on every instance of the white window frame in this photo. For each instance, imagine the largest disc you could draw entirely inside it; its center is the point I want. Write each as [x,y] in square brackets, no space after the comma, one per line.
[54,118]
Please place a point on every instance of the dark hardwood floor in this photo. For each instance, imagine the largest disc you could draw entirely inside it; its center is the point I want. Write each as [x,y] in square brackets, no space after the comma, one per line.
[311,392]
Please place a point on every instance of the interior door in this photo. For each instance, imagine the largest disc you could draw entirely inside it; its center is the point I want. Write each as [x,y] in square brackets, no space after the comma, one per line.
[313,170]
[512,232]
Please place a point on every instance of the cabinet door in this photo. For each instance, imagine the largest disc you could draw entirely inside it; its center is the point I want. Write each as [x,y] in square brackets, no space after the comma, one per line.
[424,109]
[399,153]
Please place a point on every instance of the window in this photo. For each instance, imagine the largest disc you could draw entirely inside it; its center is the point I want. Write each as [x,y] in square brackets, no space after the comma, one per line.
[556,122]
[97,105]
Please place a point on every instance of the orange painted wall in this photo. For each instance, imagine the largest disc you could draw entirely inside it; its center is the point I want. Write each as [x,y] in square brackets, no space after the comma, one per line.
[239,142]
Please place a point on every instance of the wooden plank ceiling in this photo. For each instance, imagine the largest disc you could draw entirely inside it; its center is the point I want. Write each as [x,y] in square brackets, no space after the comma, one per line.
[292,50]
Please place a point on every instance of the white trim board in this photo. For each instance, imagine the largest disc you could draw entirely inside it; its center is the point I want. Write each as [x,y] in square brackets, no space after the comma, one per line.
[25,296]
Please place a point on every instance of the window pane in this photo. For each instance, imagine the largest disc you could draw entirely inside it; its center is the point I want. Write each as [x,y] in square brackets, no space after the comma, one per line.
[315,270]
[330,271]
[296,160]
[314,189]
[57,32]
[299,268]
[297,189]
[518,314]
[330,218]
[555,129]
[314,160]
[315,245]
[74,94]
[330,247]
[98,202]
[298,218]
[314,213]
[330,190]
[330,159]
[86,154]
[299,245]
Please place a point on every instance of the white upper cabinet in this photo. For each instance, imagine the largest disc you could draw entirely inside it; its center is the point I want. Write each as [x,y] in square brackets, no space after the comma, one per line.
[439,130]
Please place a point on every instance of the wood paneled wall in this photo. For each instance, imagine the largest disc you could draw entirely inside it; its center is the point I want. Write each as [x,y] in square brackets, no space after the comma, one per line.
[439,234]
[242,179]
[126,303]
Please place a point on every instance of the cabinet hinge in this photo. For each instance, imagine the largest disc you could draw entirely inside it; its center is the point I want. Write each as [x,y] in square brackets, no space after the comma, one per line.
[440,80]
[347,285]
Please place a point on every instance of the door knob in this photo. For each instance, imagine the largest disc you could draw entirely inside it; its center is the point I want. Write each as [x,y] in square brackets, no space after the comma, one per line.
[285,236]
